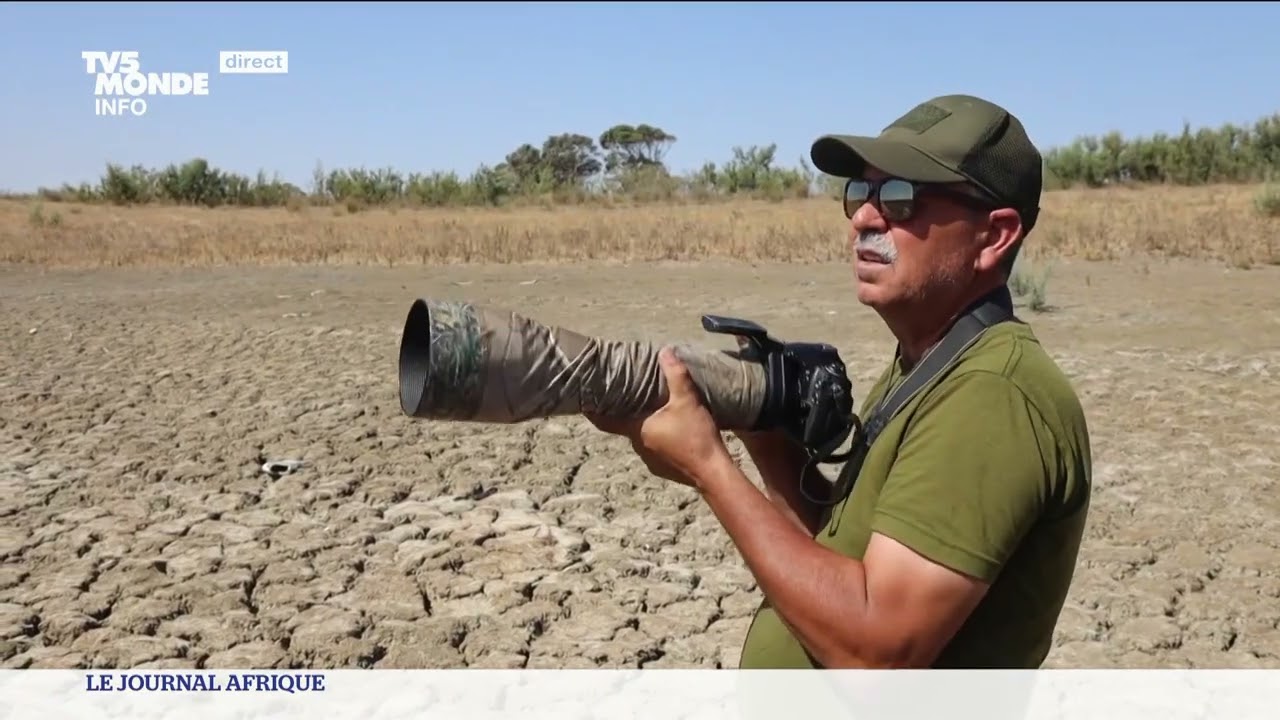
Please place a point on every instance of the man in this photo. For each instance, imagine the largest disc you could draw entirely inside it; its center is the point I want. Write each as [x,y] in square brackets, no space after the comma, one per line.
[957,543]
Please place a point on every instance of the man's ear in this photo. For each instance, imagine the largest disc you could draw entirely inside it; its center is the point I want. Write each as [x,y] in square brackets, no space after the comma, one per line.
[1004,229]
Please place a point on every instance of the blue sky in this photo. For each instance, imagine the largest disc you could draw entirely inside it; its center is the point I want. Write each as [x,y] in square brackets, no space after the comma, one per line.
[445,86]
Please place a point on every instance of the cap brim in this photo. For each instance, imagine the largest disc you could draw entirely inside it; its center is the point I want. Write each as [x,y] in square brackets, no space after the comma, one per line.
[848,155]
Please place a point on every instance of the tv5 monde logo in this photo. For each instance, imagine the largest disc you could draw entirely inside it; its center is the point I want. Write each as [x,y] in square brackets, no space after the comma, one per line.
[122,88]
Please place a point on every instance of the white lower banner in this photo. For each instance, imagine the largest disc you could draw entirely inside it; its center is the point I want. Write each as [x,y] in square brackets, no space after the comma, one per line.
[618,694]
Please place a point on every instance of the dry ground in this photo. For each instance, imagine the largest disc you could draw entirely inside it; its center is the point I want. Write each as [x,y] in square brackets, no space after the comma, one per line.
[137,406]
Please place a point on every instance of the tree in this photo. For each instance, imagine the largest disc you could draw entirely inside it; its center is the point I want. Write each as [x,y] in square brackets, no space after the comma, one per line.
[570,158]
[525,162]
[634,146]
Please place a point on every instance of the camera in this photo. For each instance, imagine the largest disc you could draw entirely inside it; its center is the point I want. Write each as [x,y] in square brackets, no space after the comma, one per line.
[808,394]
[463,362]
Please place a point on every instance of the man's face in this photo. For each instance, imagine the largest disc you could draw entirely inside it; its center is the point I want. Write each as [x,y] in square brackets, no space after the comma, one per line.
[907,262]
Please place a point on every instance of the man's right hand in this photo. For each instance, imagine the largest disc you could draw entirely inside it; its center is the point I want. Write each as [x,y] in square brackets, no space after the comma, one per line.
[629,428]
[778,458]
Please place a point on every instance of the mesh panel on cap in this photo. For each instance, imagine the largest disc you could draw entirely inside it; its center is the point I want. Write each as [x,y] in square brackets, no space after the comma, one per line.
[1011,167]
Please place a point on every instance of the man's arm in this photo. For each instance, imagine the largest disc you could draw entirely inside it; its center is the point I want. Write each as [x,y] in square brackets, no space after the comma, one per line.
[967,484]
[780,463]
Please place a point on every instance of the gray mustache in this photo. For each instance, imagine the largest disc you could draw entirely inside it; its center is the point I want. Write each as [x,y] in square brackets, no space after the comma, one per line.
[878,243]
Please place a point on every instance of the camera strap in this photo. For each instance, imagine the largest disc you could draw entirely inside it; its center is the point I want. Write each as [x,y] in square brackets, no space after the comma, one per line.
[992,309]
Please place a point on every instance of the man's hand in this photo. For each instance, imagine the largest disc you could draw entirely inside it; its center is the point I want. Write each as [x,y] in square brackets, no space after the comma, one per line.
[680,441]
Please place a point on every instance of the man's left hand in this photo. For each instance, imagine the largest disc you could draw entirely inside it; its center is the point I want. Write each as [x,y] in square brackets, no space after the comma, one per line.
[679,441]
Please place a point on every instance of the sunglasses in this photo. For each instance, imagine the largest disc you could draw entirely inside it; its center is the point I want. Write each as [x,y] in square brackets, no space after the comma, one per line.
[897,197]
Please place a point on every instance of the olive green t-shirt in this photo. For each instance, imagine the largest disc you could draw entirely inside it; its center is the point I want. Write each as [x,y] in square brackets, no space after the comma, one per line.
[986,471]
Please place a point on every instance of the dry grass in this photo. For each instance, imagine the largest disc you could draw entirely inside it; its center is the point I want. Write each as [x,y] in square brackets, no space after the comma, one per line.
[1220,223]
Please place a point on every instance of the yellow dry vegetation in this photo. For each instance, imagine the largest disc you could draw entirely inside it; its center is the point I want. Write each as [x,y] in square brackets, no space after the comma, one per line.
[1223,223]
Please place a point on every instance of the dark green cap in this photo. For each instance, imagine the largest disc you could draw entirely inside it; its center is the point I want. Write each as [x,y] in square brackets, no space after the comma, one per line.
[952,138]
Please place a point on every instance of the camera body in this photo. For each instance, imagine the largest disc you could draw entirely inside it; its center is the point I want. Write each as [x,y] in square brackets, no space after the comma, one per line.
[809,395]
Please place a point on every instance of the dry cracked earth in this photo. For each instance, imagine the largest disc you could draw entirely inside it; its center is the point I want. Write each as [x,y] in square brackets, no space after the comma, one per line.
[138,407]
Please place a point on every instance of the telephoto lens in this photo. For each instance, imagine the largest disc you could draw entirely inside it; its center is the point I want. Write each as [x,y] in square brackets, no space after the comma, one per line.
[463,362]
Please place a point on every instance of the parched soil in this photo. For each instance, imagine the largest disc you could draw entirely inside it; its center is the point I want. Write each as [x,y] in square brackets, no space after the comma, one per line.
[138,407]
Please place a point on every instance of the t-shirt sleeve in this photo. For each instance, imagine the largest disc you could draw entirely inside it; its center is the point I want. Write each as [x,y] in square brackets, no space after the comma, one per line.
[971,476]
